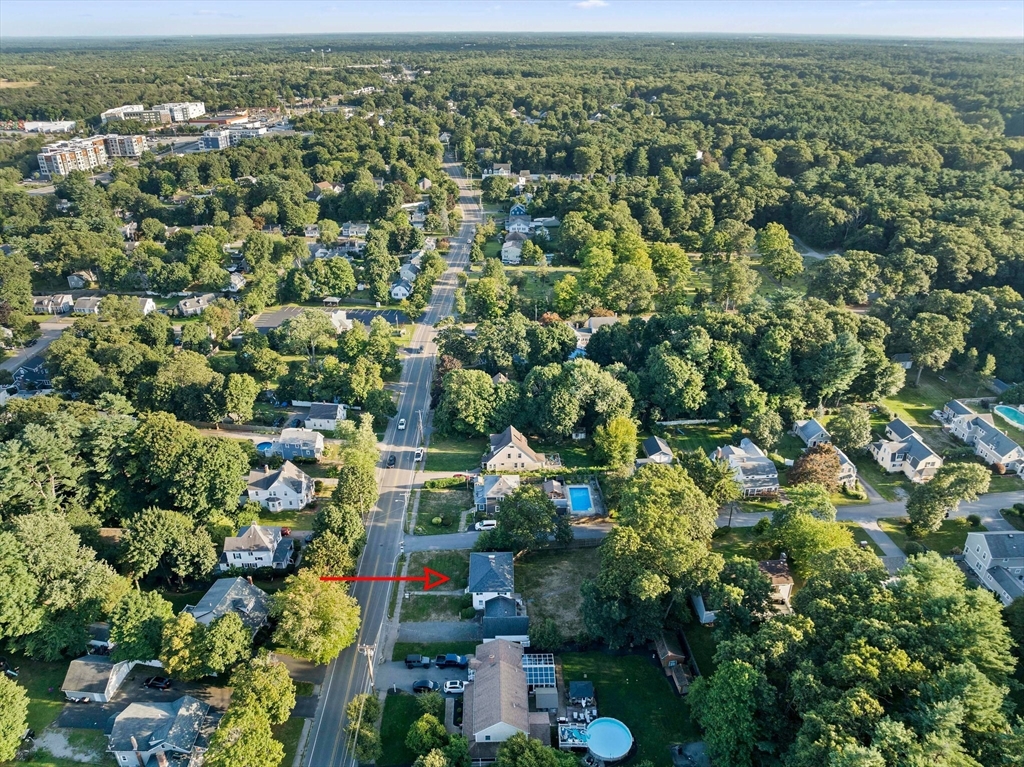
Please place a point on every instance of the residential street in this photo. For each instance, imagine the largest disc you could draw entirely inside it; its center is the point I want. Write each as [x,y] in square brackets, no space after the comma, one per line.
[347,676]
[51,329]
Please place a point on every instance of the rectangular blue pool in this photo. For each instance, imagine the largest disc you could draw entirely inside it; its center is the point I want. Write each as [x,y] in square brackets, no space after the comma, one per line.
[579,499]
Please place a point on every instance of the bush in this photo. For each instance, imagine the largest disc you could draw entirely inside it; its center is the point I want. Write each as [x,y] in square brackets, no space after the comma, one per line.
[468,613]
[913,547]
[1019,508]
[974,520]
[545,635]
[998,468]
[885,412]
[437,484]
[764,524]
[720,531]
[956,551]
[437,521]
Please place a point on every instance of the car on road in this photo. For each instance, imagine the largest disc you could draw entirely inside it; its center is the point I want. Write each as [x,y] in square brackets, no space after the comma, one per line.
[401,424]
[455,686]
[391,461]
[425,685]
[486,524]
[417,661]
[32,342]
[157,683]
[451,660]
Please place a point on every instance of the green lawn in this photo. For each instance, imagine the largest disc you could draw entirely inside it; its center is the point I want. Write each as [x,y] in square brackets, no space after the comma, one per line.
[573,454]
[951,535]
[179,600]
[739,542]
[789,447]
[636,692]
[915,406]
[550,584]
[705,437]
[1007,483]
[432,607]
[492,248]
[294,518]
[448,504]
[455,454]
[431,649]
[885,484]
[454,564]
[703,645]
[42,683]
[400,711]
[289,734]
[303,689]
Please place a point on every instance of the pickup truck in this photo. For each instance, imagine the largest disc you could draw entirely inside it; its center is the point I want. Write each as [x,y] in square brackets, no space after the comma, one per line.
[417,661]
[451,660]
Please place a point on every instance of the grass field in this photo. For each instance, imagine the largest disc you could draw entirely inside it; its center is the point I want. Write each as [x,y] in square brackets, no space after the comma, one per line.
[454,454]
[431,649]
[454,564]
[703,645]
[492,248]
[293,518]
[574,456]
[550,583]
[636,692]
[447,504]
[289,734]
[42,683]
[431,607]
[951,535]
[885,484]
[705,437]
[860,536]
[740,542]
[400,711]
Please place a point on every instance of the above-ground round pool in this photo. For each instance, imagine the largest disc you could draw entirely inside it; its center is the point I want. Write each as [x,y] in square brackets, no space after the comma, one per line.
[264,446]
[1011,414]
[608,739]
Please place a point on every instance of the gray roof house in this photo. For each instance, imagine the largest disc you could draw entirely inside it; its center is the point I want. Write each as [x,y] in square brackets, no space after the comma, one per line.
[94,677]
[256,546]
[496,702]
[298,443]
[491,574]
[490,489]
[979,430]
[325,416]
[756,473]
[909,454]
[232,595]
[505,618]
[811,432]
[144,730]
[288,487]
[87,305]
[657,451]
[998,561]
[898,429]
[509,451]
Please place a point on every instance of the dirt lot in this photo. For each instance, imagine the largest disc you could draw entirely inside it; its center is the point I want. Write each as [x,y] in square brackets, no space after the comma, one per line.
[550,583]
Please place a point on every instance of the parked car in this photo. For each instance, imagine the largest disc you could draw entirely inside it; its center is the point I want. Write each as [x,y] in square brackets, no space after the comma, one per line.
[455,686]
[451,660]
[296,423]
[391,461]
[157,683]
[417,661]
[279,421]
[486,524]
[425,685]
[418,456]
[401,424]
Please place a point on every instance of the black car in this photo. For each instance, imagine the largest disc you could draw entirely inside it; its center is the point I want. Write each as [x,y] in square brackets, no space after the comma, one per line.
[296,423]
[279,421]
[157,683]
[425,685]
[391,461]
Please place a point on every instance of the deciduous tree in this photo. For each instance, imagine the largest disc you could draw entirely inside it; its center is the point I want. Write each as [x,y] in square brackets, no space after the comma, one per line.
[316,620]
[137,625]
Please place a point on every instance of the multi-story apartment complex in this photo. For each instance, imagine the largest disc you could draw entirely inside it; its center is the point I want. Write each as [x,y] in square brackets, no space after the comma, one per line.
[61,158]
[229,136]
[159,113]
[124,146]
[182,111]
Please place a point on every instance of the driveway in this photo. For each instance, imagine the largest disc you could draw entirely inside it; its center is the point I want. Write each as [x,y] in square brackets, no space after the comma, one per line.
[394,675]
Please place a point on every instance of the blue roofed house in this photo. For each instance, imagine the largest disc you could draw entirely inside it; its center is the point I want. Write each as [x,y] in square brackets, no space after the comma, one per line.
[235,595]
[256,546]
[811,432]
[998,561]
[490,489]
[162,730]
[95,677]
[298,443]
[505,618]
[491,574]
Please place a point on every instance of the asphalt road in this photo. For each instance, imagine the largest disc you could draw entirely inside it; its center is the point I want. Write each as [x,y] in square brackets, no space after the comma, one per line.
[50,331]
[348,676]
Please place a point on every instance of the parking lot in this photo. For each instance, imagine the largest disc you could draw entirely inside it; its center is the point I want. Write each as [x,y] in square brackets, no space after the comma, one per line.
[394,675]
[275,317]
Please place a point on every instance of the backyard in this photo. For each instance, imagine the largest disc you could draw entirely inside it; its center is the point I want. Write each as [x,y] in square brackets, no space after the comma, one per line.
[950,535]
[550,584]
[633,690]
[573,455]
[296,519]
[743,542]
[459,454]
[447,504]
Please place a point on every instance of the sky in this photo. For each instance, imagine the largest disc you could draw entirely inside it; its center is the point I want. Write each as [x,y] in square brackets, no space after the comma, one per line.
[878,18]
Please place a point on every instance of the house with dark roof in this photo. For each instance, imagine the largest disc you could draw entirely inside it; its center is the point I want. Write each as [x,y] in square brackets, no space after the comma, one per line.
[656,450]
[235,595]
[195,305]
[496,703]
[998,561]
[32,375]
[756,472]
[505,618]
[95,678]
[811,432]
[979,431]
[491,574]
[288,487]
[256,546]
[297,443]
[778,572]
[904,359]
[509,451]
[909,455]
[955,407]
[490,489]
[325,416]
[161,730]
[555,491]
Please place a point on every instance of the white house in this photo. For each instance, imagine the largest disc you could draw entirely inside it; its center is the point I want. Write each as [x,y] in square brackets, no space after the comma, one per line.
[401,290]
[510,451]
[311,230]
[146,304]
[236,282]
[256,546]
[325,416]
[87,305]
[511,253]
[998,561]
[491,575]
[150,729]
[847,470]
[61,303]
[496,703]
[490,489]
[95,677]
[903,450]
[354,229]
[518,227]
[340,320]
[196,305]
[811,432]
[755,472]
[989,443]
[409,272]
[277,489]
[298,443]
[657,450]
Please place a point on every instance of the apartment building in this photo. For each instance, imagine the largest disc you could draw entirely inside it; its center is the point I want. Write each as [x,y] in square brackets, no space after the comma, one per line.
[61,158]
[182,111]
[230,136]
[135,112]
[124,146]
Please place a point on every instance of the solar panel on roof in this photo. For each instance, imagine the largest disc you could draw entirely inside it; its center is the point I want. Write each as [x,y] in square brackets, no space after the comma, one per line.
[540,669]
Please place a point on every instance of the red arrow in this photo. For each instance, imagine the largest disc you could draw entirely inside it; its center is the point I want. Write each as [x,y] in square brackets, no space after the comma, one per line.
[430,578]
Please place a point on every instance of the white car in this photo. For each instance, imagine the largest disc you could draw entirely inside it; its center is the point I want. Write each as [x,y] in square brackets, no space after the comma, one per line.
[401,425]
[418,455]
[486,524]
[454,686]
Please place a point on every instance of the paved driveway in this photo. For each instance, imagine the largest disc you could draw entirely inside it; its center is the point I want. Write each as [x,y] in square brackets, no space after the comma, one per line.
[394,674]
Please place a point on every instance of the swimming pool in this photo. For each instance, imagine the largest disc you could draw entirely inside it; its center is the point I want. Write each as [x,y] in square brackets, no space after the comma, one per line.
[579,499]
[264,447]
[609,739]
[1011,414]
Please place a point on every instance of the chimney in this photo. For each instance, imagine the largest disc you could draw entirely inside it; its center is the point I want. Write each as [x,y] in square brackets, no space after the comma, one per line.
[249,578]
[135,744]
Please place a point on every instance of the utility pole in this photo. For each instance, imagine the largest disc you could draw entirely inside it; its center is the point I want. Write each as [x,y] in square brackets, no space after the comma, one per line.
[369,650]
[419,418]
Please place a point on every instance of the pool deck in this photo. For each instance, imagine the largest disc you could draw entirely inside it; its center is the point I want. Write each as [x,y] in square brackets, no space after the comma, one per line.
[596,507]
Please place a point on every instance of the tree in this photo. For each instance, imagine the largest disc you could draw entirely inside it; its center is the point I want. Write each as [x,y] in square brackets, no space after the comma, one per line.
[264,684]
[806,498]
[528,519]
[426,734]
[818,464]
[362,713]
[306,332]
[674,384]
[182,648]
[615,442]
[244,739]
[929,504]
[467,400]
[807,540]
[778,255]
[240,396]
[934,338]
[745,595]
[137,624]
[226,641]
[725,705]
[343,521]
[329,231]
[13,717]
[521,751]
[20,611]
[716,479]
[169,541]
[329,554]
[316,619]
[850,428]
[765,428]
[733,283]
